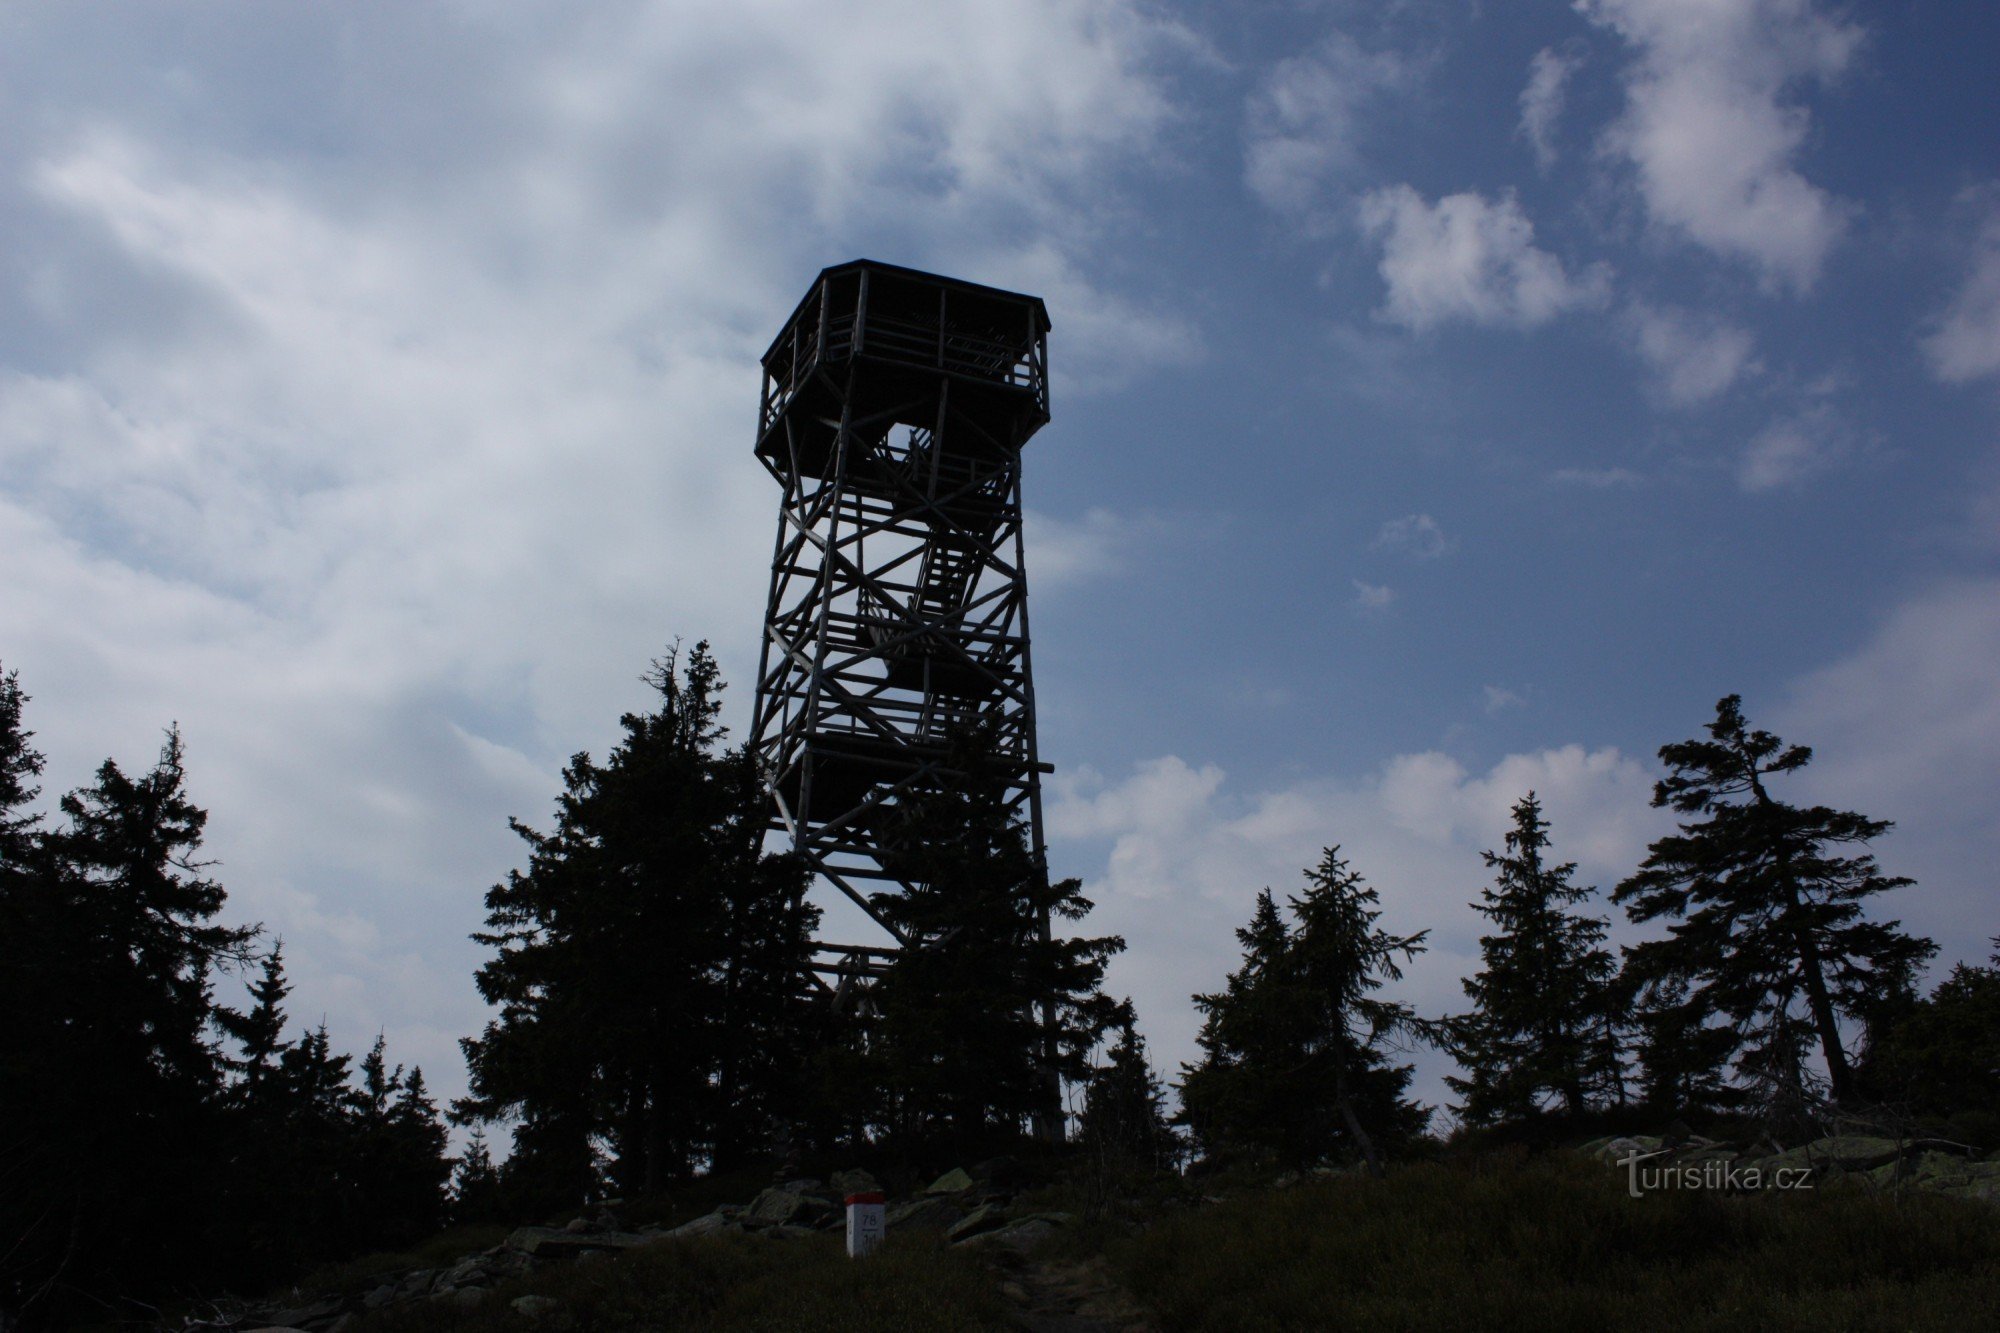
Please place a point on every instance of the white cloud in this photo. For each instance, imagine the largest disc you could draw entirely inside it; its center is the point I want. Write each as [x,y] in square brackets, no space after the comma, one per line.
[1373,596]
[1907,728]
[1711,134]
[1964,342]
[1174,856]
[1302,124]
[1498,699]
[1063,551]
[1415,535]
[1788,451]
[1542,101]
[1597,478]
[383,454]
[1692,358]
[1471,259]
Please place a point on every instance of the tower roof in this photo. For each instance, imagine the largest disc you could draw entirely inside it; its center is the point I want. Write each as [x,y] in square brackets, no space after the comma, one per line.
[918,278]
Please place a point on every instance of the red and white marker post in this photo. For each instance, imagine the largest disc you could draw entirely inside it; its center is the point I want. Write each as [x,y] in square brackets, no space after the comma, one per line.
[864,1223]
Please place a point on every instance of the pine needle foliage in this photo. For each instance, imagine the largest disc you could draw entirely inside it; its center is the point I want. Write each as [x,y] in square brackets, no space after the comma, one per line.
[1544,1025]
[1296,1048]
[1768,949]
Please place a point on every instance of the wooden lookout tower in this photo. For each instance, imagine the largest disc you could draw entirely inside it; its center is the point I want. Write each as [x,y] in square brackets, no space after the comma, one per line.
[894,409]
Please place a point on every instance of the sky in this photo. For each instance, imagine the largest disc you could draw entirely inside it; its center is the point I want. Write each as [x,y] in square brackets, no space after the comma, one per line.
[1449,400]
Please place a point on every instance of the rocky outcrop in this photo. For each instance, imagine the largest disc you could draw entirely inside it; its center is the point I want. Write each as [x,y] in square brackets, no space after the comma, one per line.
[961,1207]
[1876,1161]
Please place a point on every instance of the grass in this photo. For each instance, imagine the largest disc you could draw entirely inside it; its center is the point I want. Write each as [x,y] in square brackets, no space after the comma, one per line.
[738,1282]
[1556,1244]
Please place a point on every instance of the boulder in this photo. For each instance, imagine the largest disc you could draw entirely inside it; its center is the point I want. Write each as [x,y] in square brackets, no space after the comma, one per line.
[534,1307]
[986,1217]
[923,1214]
[854,1182]
[955,1181]
[784,1205]
[548,1242]
[1004,1172]
[1852,1154]
[1019,1237]
[319,1311]
[1614,1150]
[708,1224]
[787,1231]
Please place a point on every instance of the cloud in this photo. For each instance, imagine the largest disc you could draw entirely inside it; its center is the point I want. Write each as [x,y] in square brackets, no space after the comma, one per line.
[382,441]
[1469,259]
[1372,596]
[1709,130]
[1542,102]
[1964,341]
[1302,124]
[1173,855]
[1415,535]
[1063,551]
[1788,451]
[1597,478]
[1499,699]
[1907,728]
[1692,358]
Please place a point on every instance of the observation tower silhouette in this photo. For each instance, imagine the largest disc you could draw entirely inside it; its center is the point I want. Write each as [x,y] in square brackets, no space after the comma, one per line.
[895,406]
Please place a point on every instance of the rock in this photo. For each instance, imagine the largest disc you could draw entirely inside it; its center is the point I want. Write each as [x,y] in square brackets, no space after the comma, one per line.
[707,1225]
[1019,1237]
[548,1242]
[379,1297]
[1004,1172]
[1846,1153]
[534,1307]
[986,1217]
[786,1231]
[577,1226]
[468,1271]
[854,1182]
[953,1181]
[316,1312]
[782,1205]
[1614,1150]
[923,1214]
[466,1298]
[416,1283]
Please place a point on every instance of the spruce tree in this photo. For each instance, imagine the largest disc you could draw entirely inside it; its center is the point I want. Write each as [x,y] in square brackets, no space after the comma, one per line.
[475,1182]
[647,963]
[1542,1026]
[1297,1047]
[1124,1108]
[986,1011]
[1768,942]
[1236,1101]
[111,1077]
[1938,1057]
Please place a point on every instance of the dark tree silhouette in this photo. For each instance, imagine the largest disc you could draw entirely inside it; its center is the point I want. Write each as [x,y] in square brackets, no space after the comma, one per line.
[1543,1024]
[1124,1107]
[647,963]
[1768,943]
[1295,1049]
[1939,1057]
[982,1018]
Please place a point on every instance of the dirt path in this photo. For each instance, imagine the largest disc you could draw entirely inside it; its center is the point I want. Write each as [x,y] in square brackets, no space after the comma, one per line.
[1061,1296]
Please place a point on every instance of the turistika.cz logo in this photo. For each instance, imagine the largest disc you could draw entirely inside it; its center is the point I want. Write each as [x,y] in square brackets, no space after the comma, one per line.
[1733,1177]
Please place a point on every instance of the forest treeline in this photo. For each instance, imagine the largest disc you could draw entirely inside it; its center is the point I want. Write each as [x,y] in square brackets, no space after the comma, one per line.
[653,1017]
